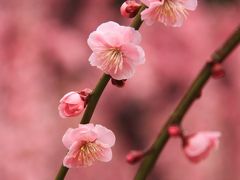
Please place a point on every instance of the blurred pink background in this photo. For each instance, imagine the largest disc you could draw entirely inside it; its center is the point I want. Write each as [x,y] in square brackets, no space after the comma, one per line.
[44,54]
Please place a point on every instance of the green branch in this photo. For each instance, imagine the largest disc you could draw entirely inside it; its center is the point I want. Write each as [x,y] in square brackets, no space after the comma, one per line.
[93,100]
[186,102]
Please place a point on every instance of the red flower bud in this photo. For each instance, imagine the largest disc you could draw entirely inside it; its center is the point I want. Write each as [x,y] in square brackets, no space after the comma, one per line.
[174,131]
[129,9]
[217,71]
[134,156]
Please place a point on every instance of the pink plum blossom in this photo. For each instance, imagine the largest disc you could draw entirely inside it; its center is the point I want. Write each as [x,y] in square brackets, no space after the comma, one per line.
[116,50]
[73,103]
[199,145]
[86,144]
[169,12]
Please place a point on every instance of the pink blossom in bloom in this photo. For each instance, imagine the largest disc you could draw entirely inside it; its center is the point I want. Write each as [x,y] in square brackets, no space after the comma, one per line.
[86,144]
[73,103]
[169,12]
[116,50]
[198,146]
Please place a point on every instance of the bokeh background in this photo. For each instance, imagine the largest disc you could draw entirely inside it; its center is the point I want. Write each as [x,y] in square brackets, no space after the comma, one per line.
[44,54]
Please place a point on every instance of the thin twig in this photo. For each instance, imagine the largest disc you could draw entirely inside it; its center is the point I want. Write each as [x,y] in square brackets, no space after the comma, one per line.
[191,95]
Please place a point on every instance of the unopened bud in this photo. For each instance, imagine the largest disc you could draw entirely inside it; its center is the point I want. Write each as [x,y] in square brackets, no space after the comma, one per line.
[217,71]
[134,156]
[118,83]
[174,131]
[129,8]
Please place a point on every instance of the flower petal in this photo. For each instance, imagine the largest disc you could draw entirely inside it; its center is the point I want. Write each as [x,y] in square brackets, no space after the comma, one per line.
[61,110]
[82,133]
[105,135]
[71,98]
[133,53]
[126,72]
[71,160]
[108,26]
[130,35]
[96,41]
[200,145]
[106,155]
[95,61]
[179,21]
[150,15]
[67,138]
[147,2]
[190,4]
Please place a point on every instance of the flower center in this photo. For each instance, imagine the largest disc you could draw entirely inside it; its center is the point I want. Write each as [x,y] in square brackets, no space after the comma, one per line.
[113,60]
[89,152]
[170,10]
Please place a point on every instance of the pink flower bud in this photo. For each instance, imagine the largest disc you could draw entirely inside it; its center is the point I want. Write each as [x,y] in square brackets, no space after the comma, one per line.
[134,156]
[174,131]
[129,9]
[198,146]
[217,71]
[73,103]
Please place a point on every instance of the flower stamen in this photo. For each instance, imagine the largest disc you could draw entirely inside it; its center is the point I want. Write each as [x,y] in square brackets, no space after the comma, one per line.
[171,10]
[89,152]
[113,60]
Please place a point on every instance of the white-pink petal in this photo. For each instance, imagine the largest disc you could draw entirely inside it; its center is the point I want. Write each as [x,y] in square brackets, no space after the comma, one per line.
[106,155]
[151,15]
[199,145]
[130,35]
[105,136]
[71,98]
[108,26]
[125,73]
[96,41]
[134,53]
[147,2]
[83,132]
[67,139]
[190,4]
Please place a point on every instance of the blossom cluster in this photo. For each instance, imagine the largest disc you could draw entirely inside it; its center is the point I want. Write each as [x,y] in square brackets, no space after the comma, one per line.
[168,12]
[116,51]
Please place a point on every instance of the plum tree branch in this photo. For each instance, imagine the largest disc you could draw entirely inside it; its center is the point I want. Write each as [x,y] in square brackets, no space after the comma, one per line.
[191,95]
[96,94]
